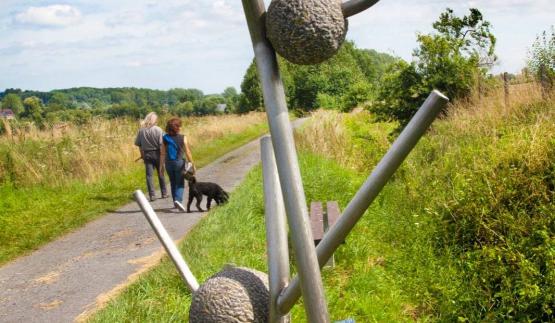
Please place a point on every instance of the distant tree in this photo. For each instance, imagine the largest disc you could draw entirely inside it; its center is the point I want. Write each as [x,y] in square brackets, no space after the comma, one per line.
[208,104]
[341,80]
[357,93]
[184,95]
[251,92]
[469,36]
[451,60]
[231,98]
[183,109]
[12,101]
[373,64]
[400,94]
[229,92]
[541,59]
[33,109]
[58,101]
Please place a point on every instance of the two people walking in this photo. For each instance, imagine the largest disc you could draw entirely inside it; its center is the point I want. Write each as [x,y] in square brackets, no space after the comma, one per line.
[161,152]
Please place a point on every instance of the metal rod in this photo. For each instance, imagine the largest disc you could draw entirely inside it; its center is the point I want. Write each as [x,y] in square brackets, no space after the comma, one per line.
[276,230]
[287,165]
[166,241]
[352,7]
[370,189]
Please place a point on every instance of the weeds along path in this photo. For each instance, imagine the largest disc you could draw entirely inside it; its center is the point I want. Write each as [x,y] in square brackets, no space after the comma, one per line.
[70,278]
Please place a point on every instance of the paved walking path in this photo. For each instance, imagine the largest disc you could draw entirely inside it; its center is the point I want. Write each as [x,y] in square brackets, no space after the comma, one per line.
[69,278]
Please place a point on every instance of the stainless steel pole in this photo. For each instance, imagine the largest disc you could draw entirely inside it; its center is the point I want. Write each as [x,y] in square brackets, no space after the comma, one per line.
[166,241]
[276,230]
[287,165]
[370,189]
[352,7]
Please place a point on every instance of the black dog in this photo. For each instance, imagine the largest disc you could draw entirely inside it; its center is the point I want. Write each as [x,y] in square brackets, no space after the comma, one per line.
[212,190]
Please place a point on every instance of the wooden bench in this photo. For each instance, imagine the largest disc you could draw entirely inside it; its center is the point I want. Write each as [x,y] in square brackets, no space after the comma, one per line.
[322,220]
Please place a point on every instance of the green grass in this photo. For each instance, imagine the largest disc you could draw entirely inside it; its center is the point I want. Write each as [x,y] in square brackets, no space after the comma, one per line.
[360,286]
[33,216]
[209,151]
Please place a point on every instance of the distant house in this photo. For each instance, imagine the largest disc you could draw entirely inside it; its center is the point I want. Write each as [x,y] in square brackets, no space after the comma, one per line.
[221,107]
[7,114]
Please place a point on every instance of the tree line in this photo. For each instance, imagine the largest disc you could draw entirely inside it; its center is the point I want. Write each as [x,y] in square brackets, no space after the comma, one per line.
[343,82]
[79,104]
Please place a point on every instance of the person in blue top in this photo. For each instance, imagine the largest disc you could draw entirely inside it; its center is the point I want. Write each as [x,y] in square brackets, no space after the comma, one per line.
[174,154]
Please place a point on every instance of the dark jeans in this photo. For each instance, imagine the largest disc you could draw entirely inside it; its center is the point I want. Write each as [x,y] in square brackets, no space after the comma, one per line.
[177,182]
[152,162]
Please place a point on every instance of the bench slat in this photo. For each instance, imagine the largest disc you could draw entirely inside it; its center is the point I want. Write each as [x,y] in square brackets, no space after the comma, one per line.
[333,213]
[317,220]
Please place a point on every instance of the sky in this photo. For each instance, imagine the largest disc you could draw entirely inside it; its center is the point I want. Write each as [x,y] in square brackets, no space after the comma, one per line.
[54,44]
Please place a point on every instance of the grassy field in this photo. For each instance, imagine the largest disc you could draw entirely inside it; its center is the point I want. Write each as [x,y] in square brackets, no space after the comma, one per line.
[54,181]
[464,232]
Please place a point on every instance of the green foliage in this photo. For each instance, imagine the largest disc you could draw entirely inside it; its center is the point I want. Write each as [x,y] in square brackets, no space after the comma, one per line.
[357,93]
[251,92]
[346,80]
[231,98]
[490,200]
[78,103]
[58,101]
[541,59]
[209,103]
[402,91]
[452,61]
[470,35]
[373,64]
[326,101]
[12,101]
[33,109]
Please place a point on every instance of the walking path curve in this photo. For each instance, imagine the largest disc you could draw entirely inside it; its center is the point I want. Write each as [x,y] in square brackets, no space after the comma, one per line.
[68,279]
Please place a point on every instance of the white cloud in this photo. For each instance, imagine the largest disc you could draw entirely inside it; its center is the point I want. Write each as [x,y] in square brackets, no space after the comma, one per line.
[54,16]
[206,44]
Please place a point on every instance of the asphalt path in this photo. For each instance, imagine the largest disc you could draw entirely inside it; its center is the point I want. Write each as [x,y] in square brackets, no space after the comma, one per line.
[72,277]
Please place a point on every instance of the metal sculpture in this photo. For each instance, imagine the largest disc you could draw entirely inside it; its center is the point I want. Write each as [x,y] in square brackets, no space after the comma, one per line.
[285,201]
[310,31]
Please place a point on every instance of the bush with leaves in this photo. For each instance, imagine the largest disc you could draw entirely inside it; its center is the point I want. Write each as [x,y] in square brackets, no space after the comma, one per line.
[13,102]
[450,60]
[541,59]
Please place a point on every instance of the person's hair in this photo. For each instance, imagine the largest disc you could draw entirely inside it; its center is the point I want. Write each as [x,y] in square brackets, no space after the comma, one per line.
[173,125]
[150,120]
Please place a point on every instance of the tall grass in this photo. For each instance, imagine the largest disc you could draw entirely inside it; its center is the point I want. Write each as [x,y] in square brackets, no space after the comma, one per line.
[474,211]
[346,138]
[88,152]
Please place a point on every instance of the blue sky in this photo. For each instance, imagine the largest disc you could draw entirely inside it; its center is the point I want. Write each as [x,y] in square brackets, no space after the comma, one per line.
[205,44]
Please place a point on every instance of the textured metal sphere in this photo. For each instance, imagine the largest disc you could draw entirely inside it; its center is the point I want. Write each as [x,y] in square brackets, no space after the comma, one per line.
[306,31]
[233,295]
